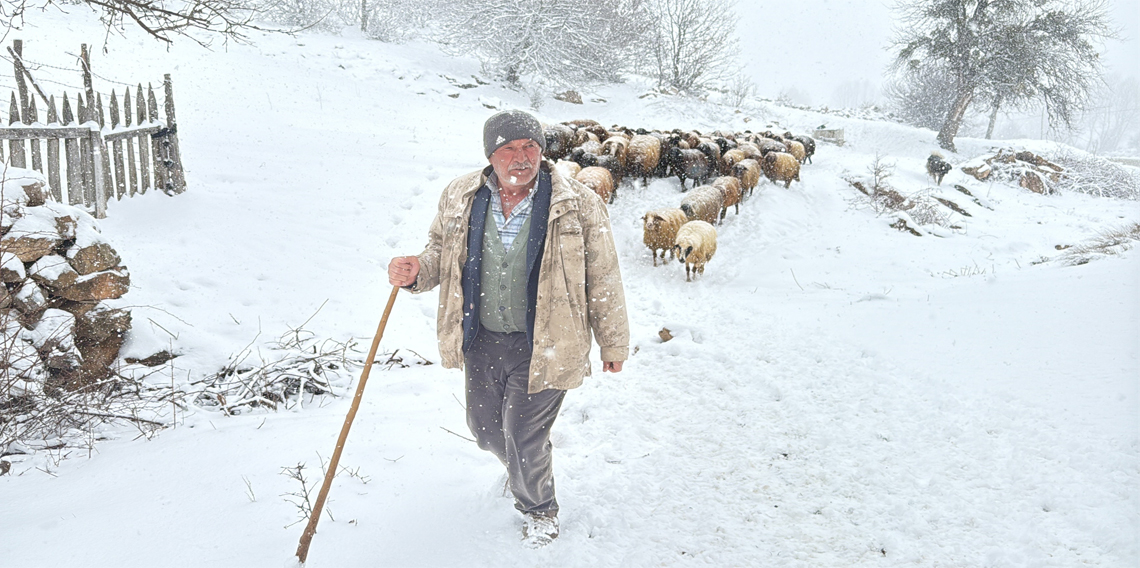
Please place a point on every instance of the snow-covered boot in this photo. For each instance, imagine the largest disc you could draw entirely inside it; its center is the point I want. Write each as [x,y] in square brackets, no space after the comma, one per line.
[539,530]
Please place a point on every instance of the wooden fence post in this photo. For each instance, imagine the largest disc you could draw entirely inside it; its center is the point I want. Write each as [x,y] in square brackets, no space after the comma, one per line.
[86,154]
[98,158]
[53,154]
[161,171]
[117,151]
[104,153]
[74,163]
[174,153]
[133,182]
[144,149]
[15,147]
[32,116]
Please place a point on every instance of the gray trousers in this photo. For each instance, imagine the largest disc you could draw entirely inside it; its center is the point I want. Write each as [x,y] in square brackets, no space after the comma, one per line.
[508,422]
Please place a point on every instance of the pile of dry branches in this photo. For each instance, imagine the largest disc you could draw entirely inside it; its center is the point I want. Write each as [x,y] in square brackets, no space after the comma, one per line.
[298,367]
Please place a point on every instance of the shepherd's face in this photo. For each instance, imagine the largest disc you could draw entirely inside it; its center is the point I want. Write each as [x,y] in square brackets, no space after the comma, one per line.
[516,162]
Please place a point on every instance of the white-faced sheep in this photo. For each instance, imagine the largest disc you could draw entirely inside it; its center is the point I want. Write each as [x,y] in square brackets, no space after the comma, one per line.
[937,167]
[642,157]
[703,203]
[617,145]
[598,179]
[780,166]
[660,231]
[695,245]
[748,172]
[730,187]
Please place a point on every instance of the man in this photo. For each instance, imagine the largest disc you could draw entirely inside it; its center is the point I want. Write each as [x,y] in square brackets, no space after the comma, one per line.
[525,261]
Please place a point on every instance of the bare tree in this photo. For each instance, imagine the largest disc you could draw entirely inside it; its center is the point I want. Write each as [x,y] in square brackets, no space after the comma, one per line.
[1006,52]
[694,42]
[567,41]
[1113,114]
[921,94]
[161,19]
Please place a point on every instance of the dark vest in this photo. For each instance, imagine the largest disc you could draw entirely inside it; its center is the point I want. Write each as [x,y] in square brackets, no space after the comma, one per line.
[535,242]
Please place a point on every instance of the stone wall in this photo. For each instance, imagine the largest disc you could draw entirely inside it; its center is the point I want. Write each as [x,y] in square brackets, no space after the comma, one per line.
[56,269]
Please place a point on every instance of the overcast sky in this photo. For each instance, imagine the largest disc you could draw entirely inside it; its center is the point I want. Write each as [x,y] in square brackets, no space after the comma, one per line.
[833,52]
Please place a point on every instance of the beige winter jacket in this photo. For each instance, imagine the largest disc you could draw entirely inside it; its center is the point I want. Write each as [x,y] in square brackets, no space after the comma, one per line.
[579,283]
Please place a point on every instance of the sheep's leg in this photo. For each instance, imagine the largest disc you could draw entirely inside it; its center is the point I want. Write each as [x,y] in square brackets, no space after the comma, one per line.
[738,209]
[688,278]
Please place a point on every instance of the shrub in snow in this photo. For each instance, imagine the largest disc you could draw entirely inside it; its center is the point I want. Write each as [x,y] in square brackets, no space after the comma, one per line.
[1086,173]
[1109,243]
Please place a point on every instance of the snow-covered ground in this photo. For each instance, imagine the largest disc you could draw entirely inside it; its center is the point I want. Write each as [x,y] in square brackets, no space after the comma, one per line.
[837,393]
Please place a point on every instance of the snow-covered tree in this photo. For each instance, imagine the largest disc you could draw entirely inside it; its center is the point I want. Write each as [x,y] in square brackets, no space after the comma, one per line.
[694,42]
[1005,52]
[569,42]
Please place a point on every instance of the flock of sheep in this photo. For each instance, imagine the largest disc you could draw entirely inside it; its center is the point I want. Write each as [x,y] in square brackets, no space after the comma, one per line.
[724,167]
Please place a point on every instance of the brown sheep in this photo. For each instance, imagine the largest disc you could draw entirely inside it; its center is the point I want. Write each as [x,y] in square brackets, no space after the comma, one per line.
[748,172]
[807,141]
[695,245]
[731,158]
[796,149]
[703,203]
[730,187]
[642,156]
[598,179]
[780,166]
[599,132]
[581,123]
[660,231]
[569,168]
[751,151]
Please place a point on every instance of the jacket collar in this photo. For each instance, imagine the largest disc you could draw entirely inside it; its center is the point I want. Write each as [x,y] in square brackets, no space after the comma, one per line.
[560,186]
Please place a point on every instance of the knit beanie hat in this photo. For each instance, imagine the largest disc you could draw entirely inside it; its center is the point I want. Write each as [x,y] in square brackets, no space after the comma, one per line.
[508,126]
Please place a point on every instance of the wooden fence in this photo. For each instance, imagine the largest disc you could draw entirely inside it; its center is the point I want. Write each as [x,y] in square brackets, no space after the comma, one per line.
[89,159]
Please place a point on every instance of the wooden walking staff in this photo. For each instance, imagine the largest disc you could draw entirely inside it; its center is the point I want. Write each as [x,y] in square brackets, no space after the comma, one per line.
[315,515]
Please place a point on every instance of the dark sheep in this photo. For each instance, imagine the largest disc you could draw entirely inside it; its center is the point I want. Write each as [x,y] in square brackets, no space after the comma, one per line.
[937,167]
[559,141]
[689,164]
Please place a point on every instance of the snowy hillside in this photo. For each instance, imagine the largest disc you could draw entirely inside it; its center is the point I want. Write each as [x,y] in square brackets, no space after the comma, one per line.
[837,392]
